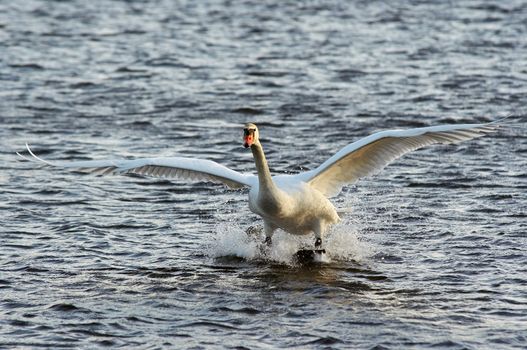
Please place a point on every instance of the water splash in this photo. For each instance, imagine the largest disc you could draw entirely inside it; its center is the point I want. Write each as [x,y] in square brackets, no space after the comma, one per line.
[231,240]
[342,243]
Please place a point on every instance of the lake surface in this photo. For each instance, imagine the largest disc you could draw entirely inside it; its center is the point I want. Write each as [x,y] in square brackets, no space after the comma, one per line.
[433,251]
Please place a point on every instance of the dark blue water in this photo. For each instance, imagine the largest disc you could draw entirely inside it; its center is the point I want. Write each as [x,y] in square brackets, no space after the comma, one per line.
[433,253]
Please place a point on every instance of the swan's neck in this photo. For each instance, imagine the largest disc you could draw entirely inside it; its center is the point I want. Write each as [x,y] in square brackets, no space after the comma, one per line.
[264,175]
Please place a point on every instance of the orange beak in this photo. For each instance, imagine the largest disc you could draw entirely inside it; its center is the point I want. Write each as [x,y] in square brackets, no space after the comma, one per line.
[248,140]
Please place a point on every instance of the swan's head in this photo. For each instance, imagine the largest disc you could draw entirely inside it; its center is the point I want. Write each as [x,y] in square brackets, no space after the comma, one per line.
[250,135]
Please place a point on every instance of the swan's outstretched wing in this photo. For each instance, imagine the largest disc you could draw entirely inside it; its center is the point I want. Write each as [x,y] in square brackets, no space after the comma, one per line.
[172,167]
[371,154]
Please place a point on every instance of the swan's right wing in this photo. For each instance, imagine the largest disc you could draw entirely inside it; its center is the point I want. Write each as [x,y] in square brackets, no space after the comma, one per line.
[170,167]
[373,153]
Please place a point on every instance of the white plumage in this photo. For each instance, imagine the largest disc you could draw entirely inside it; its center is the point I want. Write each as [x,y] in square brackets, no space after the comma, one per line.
[296,203]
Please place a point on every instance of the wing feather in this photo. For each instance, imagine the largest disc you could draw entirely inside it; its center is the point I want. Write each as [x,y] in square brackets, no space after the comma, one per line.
[170,167]
[371,154]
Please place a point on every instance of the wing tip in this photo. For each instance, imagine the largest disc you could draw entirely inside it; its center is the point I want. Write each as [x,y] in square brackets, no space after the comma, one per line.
[23,157]
[501,121]
[33,156]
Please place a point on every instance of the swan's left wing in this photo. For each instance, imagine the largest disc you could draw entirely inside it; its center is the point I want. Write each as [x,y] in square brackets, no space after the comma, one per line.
[373,153]
[170,167]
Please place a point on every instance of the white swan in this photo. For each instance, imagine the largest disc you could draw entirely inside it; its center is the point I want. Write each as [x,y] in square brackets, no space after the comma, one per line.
[297,203]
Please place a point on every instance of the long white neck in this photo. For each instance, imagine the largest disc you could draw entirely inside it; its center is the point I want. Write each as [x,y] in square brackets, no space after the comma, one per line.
[264,175]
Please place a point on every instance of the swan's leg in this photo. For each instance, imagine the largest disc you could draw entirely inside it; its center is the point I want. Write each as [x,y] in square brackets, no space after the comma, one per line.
[318,230]
[269,230]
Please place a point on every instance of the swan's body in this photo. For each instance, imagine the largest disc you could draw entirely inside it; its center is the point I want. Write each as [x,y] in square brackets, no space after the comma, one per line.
[292,206]
[297,203]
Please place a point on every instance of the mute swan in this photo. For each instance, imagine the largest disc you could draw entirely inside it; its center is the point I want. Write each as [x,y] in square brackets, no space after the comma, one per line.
[297,203]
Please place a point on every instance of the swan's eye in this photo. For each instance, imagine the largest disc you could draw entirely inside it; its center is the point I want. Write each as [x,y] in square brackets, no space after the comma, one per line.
[247,132]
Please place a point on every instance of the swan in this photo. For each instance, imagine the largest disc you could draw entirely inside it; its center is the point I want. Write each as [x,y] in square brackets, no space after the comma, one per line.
[298,204]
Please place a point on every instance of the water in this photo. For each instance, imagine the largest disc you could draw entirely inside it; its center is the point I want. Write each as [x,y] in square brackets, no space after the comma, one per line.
[431,255]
